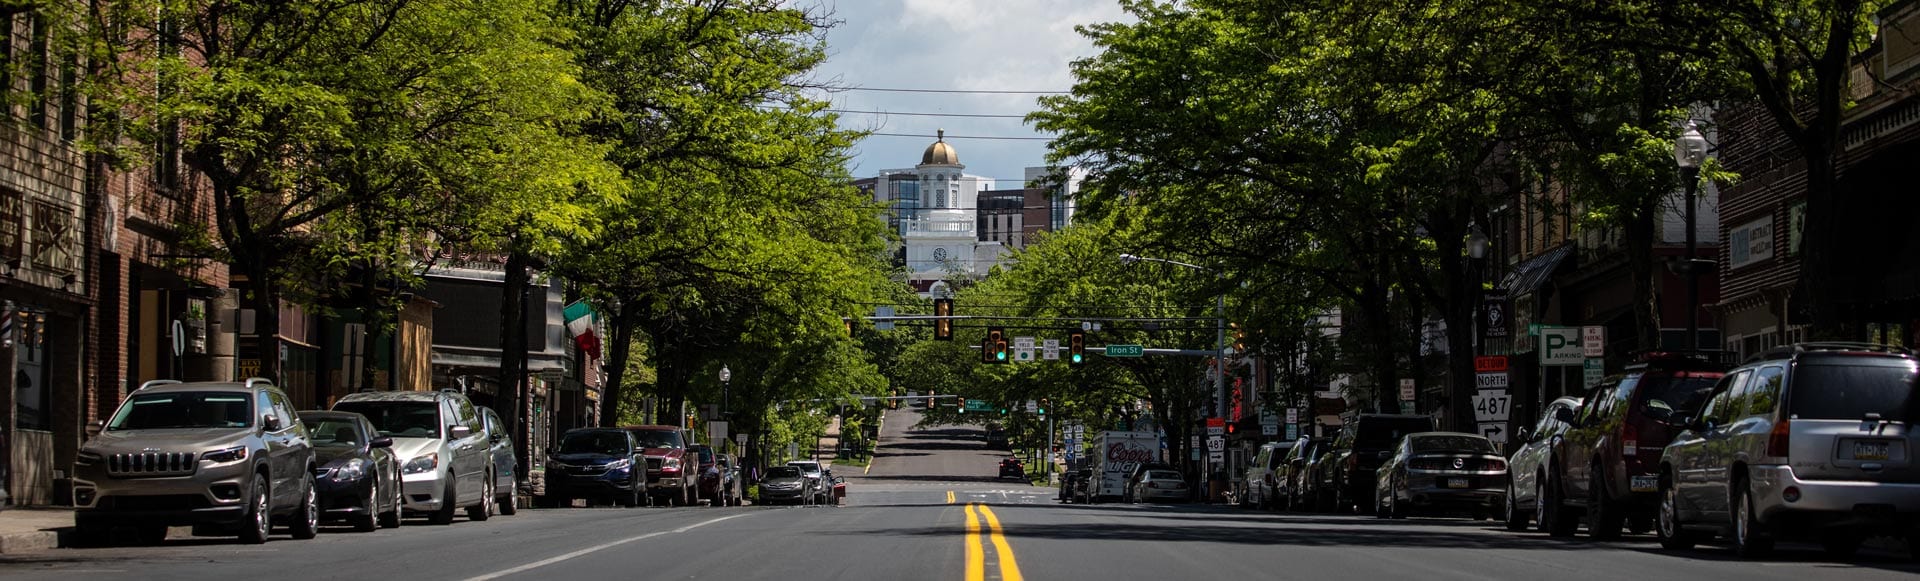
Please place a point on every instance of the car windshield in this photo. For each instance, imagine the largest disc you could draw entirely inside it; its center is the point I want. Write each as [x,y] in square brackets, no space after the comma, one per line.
[1163,475]
[598,442]
[783,472]
[1451,444]
[156,411]
[808,467]
[1384,433]
[1679,394]
[399,419]
[659,439]
[334,432]
[1850,392]
[706,455]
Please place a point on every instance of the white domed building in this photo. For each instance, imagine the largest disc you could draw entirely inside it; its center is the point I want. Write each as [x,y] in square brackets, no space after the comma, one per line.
[932,206]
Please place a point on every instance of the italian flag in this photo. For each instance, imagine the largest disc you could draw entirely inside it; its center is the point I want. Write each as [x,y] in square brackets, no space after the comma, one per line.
[580,325]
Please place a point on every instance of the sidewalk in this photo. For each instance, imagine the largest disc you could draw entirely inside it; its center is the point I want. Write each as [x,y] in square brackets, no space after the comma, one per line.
[827,448]
[34,529]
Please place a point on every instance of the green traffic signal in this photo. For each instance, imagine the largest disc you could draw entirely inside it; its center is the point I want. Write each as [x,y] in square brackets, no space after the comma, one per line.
[1001,355]
[1076,358]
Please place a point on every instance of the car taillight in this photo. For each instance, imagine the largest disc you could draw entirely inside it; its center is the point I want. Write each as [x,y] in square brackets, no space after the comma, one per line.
[1778,440]
[1630,439]
[1497,465]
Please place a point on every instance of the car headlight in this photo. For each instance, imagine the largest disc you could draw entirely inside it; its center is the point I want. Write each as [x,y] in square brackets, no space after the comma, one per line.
[225,455]
[619,464]
[673,463]
[352,470]
[423,463]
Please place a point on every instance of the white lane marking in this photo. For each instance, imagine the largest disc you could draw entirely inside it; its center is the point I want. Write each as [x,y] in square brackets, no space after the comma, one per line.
[545,562]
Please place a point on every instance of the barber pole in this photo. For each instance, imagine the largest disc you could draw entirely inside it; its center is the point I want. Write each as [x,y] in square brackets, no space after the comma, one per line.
[6,324]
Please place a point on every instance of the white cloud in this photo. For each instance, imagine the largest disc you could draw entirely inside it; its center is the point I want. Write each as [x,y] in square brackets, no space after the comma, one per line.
[1008,45]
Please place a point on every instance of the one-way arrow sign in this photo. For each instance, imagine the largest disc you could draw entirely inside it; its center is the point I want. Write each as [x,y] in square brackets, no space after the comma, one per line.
[1494,431]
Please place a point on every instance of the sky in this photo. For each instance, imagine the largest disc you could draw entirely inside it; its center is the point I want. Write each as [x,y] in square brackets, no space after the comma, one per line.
[967,45]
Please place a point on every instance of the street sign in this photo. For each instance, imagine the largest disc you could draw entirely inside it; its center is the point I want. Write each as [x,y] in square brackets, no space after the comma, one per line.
[1293,415]
[1560,346]
[1216,443]
[1293,431]
[882,324]
[717,431]
[1125,351]
[740,438]
[1033,406]
[1023,354]
[1269,418]
[1593,371]
[1406,389]
[1406,407]
[1051,349]
[1493,317]
[1216,458]
[1491,405]
[1023,342]
[1495,431]
[1490,364]
[1269,429]
[1593,341]
[1491,380]
[979,405]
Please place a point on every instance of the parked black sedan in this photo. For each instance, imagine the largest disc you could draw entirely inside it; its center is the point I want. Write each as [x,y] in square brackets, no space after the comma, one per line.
[356,475]
[787,484]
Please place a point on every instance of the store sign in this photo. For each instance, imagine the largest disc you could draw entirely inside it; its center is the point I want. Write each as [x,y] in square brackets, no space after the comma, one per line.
[1494,320]
[1750,242]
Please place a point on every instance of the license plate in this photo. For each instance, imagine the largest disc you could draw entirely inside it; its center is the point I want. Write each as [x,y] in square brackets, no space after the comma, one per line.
[1869,450]
[1457,483]
[1646,483]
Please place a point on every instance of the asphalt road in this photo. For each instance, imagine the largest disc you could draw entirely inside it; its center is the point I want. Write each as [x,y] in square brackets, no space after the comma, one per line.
[929,509]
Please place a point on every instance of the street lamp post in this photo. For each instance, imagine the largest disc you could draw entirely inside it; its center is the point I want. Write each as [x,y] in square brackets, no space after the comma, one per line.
[1459,404]
[1219,350]
[726,390]
[1689,151]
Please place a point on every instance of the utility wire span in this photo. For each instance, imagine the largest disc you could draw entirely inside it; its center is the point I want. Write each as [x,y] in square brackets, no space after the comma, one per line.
[998,137]
[956,91]
[976,115]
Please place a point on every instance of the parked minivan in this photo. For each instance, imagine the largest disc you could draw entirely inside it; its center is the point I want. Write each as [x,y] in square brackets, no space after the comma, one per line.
[441,439]
[1815,440]
[1364,444]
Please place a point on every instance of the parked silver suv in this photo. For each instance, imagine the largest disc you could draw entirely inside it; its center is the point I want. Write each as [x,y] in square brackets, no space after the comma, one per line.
[441,441]
[202,454]
[1814,440]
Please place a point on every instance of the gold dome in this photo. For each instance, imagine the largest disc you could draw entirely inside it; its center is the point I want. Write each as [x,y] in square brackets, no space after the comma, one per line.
[940,153]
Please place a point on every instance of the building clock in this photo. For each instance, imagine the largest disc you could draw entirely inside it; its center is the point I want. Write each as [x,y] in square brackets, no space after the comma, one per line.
[940,254]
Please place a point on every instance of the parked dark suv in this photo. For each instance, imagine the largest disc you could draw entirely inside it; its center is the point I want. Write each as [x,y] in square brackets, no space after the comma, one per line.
[1609,459]
[1364,444]
[1813,441]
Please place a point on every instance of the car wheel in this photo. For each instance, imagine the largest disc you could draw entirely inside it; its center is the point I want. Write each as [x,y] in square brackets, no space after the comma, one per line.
[391,519]
[511,505]
[444,516]
[1672,536]
[259,521]
[306,523]
[1604,520]
[369,520]
[484,510]
[1555,517]
[1749,540]
[1516,518]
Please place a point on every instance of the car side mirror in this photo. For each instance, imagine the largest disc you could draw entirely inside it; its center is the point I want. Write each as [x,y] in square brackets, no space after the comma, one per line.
[380,442]
[1523,434]
[1563,415]
[95,427]
[456,432]
[270,423]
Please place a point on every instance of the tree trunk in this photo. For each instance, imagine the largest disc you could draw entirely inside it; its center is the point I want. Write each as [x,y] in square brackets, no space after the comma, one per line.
[617,355]
[1377,318]
[1641,228]
[513,347]
[266,308]
[1821,275]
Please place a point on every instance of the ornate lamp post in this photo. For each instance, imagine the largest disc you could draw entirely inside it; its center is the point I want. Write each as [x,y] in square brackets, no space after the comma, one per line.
[1689,151]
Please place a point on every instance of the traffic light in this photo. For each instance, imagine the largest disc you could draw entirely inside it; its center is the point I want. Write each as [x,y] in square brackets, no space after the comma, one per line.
[1077,348]
[962,403]
[942,328]
[849,322]
[1042,410]
[996,345]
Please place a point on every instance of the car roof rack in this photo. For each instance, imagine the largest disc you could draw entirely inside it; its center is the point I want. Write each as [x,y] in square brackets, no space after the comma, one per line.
[154,382]
[1651,356]
[1784,351]
[253,381]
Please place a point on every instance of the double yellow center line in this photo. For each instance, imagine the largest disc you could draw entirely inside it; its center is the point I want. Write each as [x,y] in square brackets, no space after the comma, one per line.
[976,550]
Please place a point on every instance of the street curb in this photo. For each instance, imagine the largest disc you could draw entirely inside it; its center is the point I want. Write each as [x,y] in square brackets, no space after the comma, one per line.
[14,543]
[873,456]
